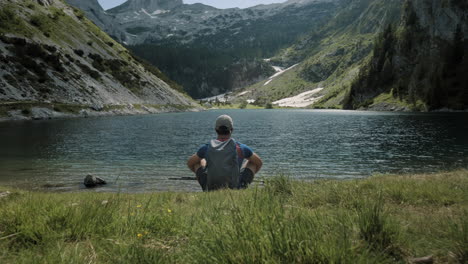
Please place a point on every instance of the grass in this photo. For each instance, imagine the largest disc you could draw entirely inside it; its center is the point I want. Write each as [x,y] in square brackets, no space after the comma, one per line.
[11,22]
[382,219]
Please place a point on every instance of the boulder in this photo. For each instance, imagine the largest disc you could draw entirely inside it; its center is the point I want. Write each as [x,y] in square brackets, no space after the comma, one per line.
[93,181]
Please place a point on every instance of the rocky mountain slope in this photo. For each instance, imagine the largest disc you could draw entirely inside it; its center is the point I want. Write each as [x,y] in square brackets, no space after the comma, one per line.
[382,55]
[101,18]
[421,62]
[210,51]
[54,61]
[324,62]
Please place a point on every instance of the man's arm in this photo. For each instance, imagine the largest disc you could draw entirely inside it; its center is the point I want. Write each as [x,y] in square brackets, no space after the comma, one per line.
[255,163]
[194,162]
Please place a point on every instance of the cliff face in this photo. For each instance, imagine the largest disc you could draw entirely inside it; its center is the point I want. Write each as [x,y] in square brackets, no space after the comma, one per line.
[101,18]
[149,5]
[421,62]
[50,54]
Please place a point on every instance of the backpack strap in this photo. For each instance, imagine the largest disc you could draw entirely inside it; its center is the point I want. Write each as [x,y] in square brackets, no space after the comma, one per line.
[239,151]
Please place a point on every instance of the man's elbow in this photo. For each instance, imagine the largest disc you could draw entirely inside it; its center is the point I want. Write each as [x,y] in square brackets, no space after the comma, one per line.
[257,161]
[191,162]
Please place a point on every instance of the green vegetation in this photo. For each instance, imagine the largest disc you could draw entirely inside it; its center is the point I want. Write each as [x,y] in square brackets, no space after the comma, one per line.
[243,104]
[230,57]
[429,72]
[382,219]
[156,72]
[196,67]
[330,56]
[11,22]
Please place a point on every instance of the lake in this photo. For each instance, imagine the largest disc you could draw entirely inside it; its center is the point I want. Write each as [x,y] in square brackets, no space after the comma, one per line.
[143,153]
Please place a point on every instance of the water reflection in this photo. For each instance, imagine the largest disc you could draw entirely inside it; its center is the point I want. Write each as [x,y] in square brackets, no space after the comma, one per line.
[141,153]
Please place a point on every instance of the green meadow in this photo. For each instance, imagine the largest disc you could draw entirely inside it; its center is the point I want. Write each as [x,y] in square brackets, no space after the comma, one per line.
[381,219]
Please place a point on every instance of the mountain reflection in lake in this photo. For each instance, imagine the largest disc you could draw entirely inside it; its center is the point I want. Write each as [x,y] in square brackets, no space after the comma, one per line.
[142,153]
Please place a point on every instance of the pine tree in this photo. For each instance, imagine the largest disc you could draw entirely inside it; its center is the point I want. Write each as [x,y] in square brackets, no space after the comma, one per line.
[458,46]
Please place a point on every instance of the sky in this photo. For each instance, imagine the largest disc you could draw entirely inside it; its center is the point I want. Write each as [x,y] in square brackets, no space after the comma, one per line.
[106,4]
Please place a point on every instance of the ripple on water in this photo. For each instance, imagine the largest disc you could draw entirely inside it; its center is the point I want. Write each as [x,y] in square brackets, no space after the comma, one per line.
[142,153]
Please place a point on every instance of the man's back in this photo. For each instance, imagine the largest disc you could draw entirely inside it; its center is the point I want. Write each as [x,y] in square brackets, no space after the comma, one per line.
[222,165]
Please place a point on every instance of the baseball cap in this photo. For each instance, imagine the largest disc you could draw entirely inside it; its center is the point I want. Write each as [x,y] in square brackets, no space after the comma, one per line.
[224,120]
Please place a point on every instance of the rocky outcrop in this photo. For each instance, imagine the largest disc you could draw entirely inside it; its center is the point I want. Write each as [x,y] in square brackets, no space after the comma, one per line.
[148,5]
[102,19]
[45,2]
[55,61]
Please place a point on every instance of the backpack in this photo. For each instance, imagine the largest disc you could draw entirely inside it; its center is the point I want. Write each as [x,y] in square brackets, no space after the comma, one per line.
[222,165]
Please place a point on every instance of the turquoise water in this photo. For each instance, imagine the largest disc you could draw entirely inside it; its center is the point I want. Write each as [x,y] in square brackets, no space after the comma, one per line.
[142,153]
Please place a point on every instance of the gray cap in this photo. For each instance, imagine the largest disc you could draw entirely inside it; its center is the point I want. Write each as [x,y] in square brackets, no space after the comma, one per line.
[224,120]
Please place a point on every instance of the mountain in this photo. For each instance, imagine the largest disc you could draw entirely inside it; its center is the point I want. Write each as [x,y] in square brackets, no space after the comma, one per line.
[421,62]
[101,18]
[56,62]
[323,62]
[211,51]
[381,55]
[148,5]
[316,53]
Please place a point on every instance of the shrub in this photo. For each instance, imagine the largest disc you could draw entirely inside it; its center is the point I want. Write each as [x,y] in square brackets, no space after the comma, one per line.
[26,111]
[79,52]
[243,104]
[94,74]
[78,13]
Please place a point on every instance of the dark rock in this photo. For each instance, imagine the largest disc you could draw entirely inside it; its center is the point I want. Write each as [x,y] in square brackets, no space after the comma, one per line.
[93,181]
[97,107]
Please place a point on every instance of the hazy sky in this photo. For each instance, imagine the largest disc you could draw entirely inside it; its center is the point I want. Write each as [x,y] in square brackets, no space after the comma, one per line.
[106,4]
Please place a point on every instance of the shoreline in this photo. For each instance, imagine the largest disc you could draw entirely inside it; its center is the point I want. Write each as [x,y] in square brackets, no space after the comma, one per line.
[48,111]
[29,111]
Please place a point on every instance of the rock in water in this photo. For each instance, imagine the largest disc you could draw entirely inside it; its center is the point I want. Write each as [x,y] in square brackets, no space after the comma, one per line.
[93,181]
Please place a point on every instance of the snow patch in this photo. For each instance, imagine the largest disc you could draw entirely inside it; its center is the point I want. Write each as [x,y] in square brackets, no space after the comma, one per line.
[243,93]
[279,71]
[220,97]
[158,12]
[301,100]
[146,13]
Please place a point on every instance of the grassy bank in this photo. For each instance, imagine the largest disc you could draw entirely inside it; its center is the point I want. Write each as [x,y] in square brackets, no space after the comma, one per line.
[382,219]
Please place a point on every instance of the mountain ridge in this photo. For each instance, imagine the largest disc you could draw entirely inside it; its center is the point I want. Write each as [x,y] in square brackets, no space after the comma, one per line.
[53,58]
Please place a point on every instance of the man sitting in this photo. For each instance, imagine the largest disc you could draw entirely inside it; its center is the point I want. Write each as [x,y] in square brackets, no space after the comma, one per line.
[220,164]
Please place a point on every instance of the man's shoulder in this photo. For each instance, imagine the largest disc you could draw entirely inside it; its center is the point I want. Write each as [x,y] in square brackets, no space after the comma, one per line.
[247,152]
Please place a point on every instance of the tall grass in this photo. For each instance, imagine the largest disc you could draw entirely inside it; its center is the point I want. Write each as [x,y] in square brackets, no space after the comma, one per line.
[383,219]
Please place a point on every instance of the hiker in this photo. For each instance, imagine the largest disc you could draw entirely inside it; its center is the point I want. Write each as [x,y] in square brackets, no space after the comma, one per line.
[221,163]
